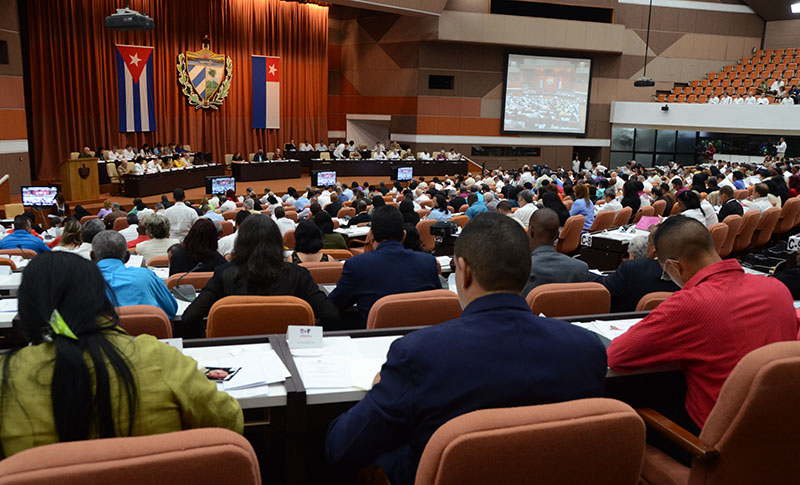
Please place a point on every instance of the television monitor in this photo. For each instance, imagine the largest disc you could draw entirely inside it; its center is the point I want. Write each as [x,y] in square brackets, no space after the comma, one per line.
[545,94]
[220,185]
[323,178]
[44,196]
[402,174]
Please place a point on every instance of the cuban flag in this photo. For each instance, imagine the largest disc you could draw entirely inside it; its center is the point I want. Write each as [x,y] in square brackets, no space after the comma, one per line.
[266,92]
[135,86]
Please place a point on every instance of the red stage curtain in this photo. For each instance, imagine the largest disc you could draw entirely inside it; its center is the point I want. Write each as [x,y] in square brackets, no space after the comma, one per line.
[74,88]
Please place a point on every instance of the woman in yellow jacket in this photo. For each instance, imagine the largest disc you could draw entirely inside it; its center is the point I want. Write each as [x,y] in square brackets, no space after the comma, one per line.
[83,377]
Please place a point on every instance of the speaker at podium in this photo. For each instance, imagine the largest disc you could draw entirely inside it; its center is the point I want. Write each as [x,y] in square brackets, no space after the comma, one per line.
[79,179]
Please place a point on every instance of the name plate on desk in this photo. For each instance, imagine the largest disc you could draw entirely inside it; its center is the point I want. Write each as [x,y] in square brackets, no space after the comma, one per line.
[304,341]
[793,244]
[586,239]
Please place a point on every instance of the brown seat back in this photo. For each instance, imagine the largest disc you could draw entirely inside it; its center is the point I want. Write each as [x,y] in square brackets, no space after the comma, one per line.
[159,262]
[144,320]
[652,300]
[603,220]
[659,207]
[227,228]
[597,441]
[569,299]
[337,253]
[346,212]
[288,239]
[749,222]
[719,232]
[324,273]
[460,220]
[196,279]
[414,309]
[763,232]
[424,229]
[257,315]
[570,237]
[623,216]
[789,213]
[734,223]
[120,223]
[199,456]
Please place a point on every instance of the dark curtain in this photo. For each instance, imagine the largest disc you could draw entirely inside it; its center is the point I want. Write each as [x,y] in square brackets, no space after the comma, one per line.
[73,83]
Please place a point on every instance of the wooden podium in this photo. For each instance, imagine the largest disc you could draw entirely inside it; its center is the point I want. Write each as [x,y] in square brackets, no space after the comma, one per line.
[79,179]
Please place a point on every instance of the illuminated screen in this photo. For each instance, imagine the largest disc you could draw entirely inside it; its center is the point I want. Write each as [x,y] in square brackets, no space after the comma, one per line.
[221,185]
[546,94]
[325,179]
[39,196]
[405,173]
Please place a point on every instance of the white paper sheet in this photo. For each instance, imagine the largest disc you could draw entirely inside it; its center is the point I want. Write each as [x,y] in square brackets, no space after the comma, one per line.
[9,305]
[325,372]
[609,329]
[135,261]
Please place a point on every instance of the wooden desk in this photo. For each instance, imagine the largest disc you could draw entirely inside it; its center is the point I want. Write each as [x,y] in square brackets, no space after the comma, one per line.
[164,182]
[248,171]
[383,168]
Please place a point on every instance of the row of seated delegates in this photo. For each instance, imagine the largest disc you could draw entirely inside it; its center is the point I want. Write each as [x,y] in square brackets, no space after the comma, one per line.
[81,376]
[261,156]
[130,152]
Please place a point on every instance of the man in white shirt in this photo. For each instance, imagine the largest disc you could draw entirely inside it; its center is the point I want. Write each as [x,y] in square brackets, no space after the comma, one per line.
[726,100]
[576,165]
[750,100]
[129,152]
[781,147]
[378,147]
[776,86]
[452,155]
[338,152]
[321,146]
[378,155]
[787,100]
[132,231]
[180,216]
[226,243]
[763,99]
[424,155]
[526,207]
[738,100]
[306,147]
[709,212]
[587,164]
[714,100]
[227,206]
[761,203]
[612,204]
[526,176]
[394,154]
[284,223]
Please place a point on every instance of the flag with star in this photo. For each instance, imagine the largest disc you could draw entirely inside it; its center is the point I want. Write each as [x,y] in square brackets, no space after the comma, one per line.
[266,92]
[135,86]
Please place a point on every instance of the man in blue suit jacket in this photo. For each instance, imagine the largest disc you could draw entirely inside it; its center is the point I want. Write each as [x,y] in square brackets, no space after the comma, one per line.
[388,270]
[497,354]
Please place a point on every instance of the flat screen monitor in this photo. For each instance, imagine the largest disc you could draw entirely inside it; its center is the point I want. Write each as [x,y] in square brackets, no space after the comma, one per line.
[546,94]
[39,196]
[323,178]
[220,185]
[402,174]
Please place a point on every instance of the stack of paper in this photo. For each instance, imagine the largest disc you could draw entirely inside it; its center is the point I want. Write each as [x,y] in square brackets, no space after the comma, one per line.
[332,369]
[135,261]
[609,329]
[257,370]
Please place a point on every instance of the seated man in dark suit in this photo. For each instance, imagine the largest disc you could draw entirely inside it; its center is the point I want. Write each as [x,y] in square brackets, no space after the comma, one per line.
[548,265]
[386,270]
[636,277]
[497,354]
[730,206]
[361,214]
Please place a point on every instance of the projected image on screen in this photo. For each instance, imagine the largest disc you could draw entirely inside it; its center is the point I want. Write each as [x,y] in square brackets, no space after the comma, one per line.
[546,94]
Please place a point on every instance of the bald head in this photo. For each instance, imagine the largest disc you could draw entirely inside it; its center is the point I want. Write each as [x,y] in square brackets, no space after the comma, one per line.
[543,227]
[684,239]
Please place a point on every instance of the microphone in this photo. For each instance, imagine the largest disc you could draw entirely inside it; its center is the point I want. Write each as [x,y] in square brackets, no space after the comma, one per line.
[186,292]
[22,252]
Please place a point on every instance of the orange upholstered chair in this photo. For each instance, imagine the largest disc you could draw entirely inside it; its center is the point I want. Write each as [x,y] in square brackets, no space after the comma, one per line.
[257,315]
[734,223]
[460,220]
[159,262]
[597,441]
[227,228]
[569,299]
[424,229]
[200,456]
[337,253]
[228,215]
[288,239]
[623,216]
[789,213]
[196,279]
[659,207]
[120,223]
[719,232]
[741,194]
[346,212]
[463,208]
[766,224]
[643,212]
[144,319]
[603,220]
[652,300]
[414,309]
[570,236]
[25,253]
[749,222]
[750,435]
[324,273]
[86,219]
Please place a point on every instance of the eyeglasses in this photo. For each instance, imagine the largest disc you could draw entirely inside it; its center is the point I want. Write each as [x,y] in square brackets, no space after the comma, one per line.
[664,275]
[453,264]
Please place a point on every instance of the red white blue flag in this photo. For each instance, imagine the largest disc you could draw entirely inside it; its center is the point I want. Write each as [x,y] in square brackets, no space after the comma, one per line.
[135,86]
[266,92]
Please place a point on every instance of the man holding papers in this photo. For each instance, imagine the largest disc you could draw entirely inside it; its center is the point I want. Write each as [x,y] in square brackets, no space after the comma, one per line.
[497,354]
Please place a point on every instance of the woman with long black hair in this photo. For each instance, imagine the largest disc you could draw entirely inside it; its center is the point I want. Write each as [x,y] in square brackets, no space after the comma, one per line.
[630,198]
[83,377]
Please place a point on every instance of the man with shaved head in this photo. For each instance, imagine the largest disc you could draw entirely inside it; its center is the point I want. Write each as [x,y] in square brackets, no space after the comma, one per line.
[720,315]
[548,265]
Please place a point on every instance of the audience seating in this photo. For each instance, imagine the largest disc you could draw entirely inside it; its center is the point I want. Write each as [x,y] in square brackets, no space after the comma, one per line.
[228,215]
[257,315]
[414,309]
[324,273]
[205,456]
[460,220]
[749,222]
[569,299]
[750,435]
[13,210]
[120,223]
[675,209]
[423,213]
[643,212]
[9,263]
[346,212]
[159,262]
[292,215]
[603,220]
[597,441]
[288,239]
[144,320]
[652,300]
[623,216]
[113,177]
[424,229]
[741,194]
[766,224]
[86,219]
[734,223]
[197,279]
[719,233]
[25,253]
[463,208]
[570,237]
[659,207]
[338,254]
[227,228]
[789,213]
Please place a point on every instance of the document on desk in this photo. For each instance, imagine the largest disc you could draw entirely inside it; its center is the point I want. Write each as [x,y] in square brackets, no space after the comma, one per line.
[257,369]
[9,305]
[20,262]
[162,273]
[135,261]
[332,369]
[609,329]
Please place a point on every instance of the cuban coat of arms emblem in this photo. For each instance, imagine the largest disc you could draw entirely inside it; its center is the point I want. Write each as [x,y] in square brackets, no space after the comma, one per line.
[205,77]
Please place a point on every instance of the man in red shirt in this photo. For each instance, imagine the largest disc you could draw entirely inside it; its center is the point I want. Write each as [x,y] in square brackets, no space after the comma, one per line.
[720,315]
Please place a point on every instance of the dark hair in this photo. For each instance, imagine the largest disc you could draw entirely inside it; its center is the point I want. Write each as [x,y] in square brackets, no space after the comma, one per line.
[551,200]
[387,224]
[240,217]
[21,222]
[132,219]
[361,206]
[200,242]
[682,237]
[308,238]
[178,195]
[81,396]
[279,212]
[378,201]
[497,250]
[630,196]
[324,221]
[727,190]
[504,206]
[761,189]
[441,204]
[689,199]
[258,253]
